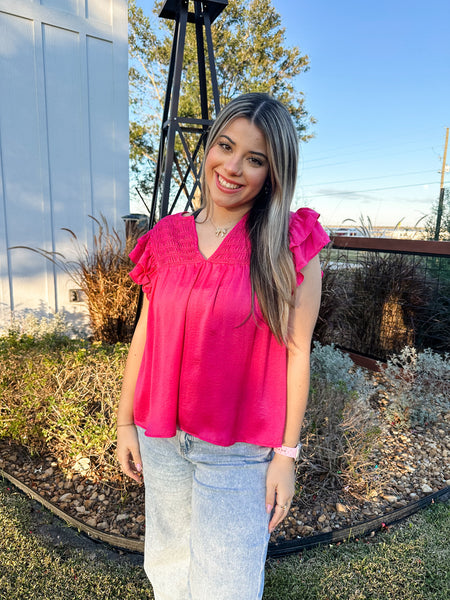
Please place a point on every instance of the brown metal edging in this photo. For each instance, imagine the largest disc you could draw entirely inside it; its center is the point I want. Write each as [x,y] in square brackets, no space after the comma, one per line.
[364,361]
[392,245]
[119,541]
[274,549]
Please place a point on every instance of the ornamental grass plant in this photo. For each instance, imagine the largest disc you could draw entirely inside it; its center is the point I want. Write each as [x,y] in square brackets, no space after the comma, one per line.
[101,272]
[376,303]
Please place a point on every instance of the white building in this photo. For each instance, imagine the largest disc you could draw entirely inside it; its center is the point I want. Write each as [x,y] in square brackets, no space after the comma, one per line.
[63,138]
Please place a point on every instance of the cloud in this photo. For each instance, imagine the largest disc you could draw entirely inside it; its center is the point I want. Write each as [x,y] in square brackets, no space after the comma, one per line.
[340,194]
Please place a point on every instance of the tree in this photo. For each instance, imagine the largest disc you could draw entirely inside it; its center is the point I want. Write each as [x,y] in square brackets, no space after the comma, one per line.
[251,55]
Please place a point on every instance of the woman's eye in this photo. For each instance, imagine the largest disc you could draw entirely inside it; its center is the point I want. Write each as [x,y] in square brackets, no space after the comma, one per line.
[255,161]
[224,146]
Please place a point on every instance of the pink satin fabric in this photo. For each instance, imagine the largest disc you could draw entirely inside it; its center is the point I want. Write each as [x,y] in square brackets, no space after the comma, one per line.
[210,367]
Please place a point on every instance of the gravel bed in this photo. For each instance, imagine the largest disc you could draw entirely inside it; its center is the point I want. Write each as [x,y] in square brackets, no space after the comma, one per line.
[417,462]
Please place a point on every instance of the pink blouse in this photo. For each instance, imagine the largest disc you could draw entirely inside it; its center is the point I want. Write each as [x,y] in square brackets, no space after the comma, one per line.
[209,366]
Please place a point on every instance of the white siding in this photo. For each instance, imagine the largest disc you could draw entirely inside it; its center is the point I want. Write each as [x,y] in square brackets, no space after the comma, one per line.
[63,138]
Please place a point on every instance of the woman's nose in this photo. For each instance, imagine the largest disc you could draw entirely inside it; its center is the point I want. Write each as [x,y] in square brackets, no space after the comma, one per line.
[234,165]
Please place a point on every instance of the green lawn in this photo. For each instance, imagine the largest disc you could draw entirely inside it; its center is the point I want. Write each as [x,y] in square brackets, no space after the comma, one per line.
[410,562]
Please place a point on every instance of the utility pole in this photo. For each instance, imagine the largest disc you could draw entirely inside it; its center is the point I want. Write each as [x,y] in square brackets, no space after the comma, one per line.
[442,191]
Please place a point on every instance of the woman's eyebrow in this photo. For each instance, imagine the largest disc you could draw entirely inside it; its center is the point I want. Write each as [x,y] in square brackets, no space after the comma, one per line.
[228,138]
[234,144]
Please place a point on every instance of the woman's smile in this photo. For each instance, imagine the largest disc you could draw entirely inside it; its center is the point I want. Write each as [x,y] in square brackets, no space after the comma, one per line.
[225,183]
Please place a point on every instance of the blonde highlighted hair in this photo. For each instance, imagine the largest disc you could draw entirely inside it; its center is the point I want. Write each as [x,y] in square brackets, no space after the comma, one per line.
[271,265]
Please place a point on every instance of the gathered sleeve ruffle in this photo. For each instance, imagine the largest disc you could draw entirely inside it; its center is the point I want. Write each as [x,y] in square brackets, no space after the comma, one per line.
[307,237]
[142,256]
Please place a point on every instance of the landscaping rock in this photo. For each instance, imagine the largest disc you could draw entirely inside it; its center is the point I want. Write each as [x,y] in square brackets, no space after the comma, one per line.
[122,517]
[407,461]
[390,499]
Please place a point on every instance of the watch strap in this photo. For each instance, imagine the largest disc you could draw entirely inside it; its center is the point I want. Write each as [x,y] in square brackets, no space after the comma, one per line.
[288,451]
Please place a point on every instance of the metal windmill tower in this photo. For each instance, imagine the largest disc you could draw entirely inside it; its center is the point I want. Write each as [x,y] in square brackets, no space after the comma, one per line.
[173,127]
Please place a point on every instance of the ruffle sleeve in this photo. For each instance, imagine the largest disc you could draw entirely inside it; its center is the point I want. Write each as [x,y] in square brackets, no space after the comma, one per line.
[307,237]
[142,256]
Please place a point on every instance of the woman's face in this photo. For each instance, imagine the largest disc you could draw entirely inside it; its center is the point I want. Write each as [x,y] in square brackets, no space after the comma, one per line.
[237,166]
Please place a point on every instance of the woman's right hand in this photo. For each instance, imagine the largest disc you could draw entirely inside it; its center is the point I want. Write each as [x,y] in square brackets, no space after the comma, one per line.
[128,452]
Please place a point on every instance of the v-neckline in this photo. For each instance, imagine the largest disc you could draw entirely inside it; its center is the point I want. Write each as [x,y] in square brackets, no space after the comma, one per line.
[220,246]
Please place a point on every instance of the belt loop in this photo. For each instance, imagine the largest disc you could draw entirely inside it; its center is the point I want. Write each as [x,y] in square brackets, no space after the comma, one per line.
[185,441]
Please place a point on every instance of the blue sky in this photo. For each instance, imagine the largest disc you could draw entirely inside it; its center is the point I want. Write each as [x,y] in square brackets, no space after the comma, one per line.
[379,87]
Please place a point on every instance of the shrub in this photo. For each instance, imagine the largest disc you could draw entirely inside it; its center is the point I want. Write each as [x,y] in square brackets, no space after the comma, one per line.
[433,324]
[61,398]
[53,329]
[340,427]
[417,386]
[336,369]
[59,395]
[376,303]
[389,291]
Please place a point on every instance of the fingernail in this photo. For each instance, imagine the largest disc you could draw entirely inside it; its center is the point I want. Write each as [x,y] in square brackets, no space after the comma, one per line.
[138,467]
[268,508]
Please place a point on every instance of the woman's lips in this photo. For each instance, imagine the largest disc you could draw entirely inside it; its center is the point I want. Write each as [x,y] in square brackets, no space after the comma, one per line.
[226,185]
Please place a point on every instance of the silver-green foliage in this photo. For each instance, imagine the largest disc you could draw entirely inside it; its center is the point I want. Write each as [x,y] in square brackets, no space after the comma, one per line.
[417,385]
[340,428]
[55,326]
[335,368]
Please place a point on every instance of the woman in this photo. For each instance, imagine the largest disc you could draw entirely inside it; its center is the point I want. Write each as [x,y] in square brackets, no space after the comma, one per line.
[216,382]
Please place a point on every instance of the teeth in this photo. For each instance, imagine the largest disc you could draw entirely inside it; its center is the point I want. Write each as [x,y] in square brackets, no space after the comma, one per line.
[230,186]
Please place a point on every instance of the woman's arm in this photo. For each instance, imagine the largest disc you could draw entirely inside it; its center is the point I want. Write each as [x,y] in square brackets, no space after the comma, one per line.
[280,483]
[128,453]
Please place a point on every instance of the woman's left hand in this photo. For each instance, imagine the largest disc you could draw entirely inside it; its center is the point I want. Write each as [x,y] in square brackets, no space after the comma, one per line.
[280,488]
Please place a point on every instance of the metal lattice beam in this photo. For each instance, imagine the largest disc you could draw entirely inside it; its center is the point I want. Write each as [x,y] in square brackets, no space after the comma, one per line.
[174,127]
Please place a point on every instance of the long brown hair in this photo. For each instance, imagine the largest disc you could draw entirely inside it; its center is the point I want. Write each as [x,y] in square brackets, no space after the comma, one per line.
[271,265]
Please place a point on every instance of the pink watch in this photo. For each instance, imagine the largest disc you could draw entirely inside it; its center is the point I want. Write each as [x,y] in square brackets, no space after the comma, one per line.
[287,451]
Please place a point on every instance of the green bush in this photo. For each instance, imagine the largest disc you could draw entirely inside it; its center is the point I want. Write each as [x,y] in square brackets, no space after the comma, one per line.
[61,398]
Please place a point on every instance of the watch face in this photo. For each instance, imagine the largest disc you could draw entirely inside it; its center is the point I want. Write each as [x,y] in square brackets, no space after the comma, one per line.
[291,452]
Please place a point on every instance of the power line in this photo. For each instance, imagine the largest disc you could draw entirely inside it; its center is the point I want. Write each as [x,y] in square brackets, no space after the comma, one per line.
[367,178]
[366,157]
[368,146]
[396,187]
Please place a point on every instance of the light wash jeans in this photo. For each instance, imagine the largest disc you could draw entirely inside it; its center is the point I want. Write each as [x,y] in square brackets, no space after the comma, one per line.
[206,529]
